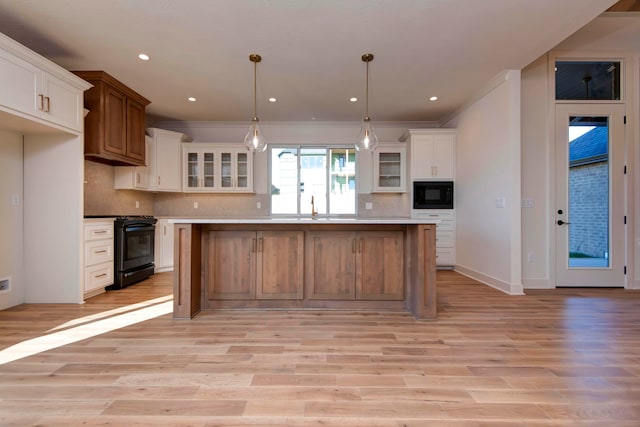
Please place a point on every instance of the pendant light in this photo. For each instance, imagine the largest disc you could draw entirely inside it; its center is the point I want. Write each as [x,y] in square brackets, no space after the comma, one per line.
[254,140]
[367,139]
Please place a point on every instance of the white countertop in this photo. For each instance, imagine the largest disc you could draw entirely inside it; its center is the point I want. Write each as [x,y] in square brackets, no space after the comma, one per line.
[304,220]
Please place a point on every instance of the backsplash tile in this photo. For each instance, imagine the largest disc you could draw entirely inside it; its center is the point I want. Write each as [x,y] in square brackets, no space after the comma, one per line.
[101,199]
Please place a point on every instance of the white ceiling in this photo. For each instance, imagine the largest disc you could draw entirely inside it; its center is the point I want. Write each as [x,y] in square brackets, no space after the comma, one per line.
[311,51]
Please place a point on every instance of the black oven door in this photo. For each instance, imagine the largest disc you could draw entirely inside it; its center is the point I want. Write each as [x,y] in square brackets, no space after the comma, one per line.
[137,246]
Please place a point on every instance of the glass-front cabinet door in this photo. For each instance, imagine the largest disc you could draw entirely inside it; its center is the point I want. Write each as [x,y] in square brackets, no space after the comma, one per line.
[389,168]
[217,168]
[242,175]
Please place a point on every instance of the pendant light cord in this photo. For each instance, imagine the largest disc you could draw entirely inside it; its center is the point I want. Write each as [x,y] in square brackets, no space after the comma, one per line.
[255,91]
[367,94]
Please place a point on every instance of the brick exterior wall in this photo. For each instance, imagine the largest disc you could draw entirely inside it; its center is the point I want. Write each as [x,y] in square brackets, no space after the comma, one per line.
[588,209]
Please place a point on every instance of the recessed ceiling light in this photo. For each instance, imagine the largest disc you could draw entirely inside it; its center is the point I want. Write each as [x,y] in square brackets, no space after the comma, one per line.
[272,99]
[354,99]
[143,56]
[192,99]
[433,98]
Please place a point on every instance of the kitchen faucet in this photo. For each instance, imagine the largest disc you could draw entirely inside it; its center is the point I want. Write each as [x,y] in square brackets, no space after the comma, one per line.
[314,212]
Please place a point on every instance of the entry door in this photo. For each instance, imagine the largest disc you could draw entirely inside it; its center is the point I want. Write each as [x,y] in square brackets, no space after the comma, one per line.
[589,209]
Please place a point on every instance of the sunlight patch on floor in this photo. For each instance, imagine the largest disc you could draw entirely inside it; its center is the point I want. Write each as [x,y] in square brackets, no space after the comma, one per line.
[110,313]
[87,330]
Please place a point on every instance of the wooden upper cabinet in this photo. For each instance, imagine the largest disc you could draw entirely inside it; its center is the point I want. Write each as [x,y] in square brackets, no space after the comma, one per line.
[135,130]
[115,123]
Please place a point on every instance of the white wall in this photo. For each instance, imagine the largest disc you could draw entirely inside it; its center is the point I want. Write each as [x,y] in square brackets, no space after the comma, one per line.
[536,170]
[53,219]
[11,212]
[488,238]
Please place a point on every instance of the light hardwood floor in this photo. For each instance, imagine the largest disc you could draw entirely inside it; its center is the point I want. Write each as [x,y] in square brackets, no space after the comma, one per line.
[564,357]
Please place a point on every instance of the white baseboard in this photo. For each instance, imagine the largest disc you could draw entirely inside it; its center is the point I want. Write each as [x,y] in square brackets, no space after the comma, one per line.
[537,283]
[507,288]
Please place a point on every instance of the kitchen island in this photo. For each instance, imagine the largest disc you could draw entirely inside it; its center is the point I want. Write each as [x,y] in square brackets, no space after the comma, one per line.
[304,263]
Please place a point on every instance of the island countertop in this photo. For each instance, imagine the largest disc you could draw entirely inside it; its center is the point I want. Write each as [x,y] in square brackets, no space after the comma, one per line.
[305,220]
[347,263]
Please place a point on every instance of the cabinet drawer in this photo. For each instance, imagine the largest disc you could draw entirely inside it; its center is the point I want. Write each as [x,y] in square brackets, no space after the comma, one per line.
[444,239]
[98,276]
[445,256]
[438,214]
[98,251]
[98,231]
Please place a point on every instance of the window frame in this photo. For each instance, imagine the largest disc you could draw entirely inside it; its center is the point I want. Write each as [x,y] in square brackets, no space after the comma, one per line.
[327,149]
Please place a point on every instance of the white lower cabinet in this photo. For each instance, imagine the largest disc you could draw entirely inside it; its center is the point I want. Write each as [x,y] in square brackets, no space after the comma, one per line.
[445,234]
[163,256]
[98,255]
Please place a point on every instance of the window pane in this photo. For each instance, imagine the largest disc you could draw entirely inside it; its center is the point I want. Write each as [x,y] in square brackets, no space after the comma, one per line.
[313,180]
[284,181]
[342,199]
[576,80]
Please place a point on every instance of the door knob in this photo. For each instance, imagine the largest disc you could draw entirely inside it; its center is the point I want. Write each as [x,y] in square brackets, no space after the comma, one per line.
[561,222]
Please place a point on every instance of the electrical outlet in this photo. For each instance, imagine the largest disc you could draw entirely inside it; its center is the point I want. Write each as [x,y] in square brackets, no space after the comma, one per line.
[195,205]
[137,204]
[5,285]
[531,257]
[15,199]
[368,205]
[259,205]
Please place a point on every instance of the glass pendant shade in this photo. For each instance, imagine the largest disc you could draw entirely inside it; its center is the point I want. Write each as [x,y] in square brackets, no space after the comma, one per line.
[254,140]
[367,139]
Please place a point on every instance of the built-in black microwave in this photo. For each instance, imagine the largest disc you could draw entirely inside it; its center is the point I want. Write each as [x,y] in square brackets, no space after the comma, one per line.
[432,194]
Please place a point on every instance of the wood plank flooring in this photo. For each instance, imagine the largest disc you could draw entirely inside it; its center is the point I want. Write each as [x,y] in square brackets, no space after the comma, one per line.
[566,357]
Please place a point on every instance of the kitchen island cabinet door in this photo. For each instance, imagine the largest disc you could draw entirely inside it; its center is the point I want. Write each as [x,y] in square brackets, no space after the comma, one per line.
[380,270]
[280,264]
[330,265]
[230,269]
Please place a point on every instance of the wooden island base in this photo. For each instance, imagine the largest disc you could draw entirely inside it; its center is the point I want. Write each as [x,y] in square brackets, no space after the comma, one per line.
[351,265]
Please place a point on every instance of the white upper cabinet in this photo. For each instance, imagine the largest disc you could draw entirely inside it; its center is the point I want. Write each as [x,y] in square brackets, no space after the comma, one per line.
[389,168]
[217,168]
[163,171]
[29,89]
[432,153]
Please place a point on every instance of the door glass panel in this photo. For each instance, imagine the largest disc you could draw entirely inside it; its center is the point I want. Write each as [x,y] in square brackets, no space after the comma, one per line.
[192,170]
[209,170]
[588,192]
[284,181]
[587,80]
[241,163]
[226,170]
[389,172]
